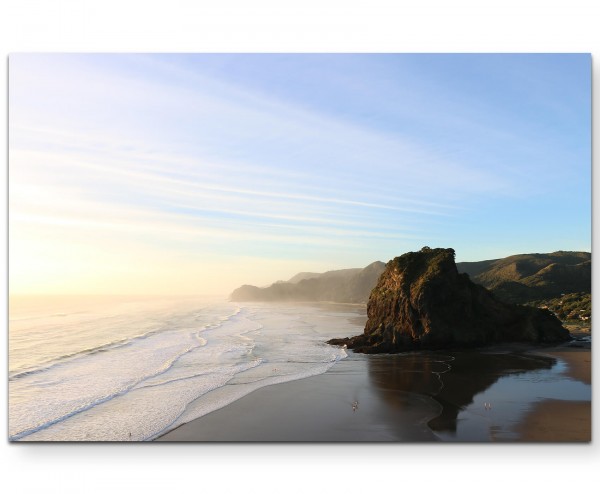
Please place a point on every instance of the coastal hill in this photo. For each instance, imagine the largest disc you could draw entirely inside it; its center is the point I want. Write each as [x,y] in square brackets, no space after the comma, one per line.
[521,279]
[305,276]
[421,301]
[344,285]
[529,277]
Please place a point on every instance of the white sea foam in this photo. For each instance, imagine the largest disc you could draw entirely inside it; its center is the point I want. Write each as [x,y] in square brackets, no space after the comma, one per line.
[195,358]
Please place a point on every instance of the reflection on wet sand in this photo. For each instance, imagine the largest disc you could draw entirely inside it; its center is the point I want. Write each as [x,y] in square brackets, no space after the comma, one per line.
[452,379]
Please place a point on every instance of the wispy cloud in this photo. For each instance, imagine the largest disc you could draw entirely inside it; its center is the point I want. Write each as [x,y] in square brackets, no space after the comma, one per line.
[163,153]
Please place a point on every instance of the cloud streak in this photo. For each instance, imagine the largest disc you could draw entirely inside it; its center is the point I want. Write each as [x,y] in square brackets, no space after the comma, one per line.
[174,154]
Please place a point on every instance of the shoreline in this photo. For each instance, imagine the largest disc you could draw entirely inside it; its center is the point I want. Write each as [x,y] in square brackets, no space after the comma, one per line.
[314,409]
[398,402]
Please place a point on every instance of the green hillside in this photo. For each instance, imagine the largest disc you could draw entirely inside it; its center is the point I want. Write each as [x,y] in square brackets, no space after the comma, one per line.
[569,307]
[526,278]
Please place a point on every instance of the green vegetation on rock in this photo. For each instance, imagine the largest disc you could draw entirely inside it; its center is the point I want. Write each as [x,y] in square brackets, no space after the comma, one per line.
[568,307]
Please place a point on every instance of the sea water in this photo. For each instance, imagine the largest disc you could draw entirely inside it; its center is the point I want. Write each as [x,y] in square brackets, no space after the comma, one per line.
[130,369]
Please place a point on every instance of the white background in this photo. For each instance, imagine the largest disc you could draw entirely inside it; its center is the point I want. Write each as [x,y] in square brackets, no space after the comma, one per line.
[295,26]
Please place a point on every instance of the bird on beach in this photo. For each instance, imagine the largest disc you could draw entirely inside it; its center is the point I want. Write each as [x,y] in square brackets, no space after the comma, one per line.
[354,405]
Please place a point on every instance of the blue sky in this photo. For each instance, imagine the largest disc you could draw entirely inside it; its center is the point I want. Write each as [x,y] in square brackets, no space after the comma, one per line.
[197,173]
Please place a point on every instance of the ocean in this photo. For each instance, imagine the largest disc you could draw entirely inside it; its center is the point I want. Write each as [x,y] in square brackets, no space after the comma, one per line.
[132,368]
[135,368]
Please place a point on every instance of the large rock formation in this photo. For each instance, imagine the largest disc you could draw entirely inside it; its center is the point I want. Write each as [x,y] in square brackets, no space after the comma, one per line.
[422,302]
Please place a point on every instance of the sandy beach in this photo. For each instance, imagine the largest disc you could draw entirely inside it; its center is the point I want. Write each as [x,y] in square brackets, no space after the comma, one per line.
[558,421]
[401,398]
[316,409]
[563,420]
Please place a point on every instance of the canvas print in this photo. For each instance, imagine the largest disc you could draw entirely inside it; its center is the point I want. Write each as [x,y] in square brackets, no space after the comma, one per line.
[299,247]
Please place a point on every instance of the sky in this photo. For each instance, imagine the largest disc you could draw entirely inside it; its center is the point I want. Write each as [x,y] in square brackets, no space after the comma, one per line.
[194,174]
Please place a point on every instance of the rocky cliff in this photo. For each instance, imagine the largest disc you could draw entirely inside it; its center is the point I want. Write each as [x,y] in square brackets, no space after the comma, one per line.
[421,301]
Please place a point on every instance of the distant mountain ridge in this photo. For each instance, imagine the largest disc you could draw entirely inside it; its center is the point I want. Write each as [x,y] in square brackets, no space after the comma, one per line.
[518,279]
[344,285]
[302,276]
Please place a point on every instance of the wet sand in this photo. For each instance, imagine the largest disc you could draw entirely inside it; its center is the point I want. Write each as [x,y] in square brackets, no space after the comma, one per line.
[558,421]
[401,398]
[578,360]
[317,409]
[561,420]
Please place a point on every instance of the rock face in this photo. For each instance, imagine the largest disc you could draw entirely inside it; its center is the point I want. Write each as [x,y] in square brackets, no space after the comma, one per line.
[422,302]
